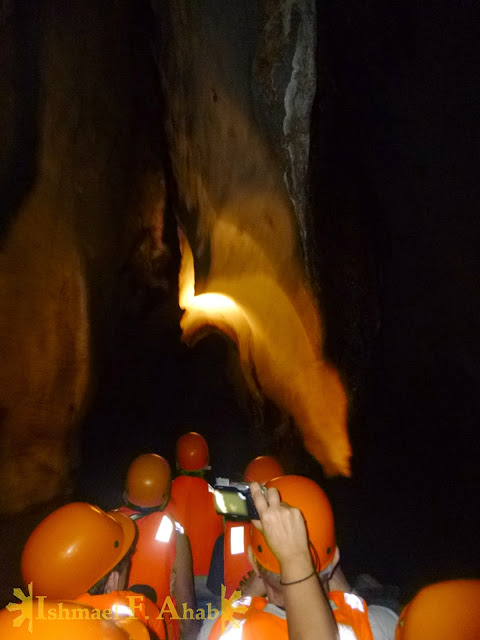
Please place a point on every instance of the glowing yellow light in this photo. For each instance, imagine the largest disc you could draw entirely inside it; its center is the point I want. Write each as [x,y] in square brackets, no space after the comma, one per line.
[212,302]
[266,308]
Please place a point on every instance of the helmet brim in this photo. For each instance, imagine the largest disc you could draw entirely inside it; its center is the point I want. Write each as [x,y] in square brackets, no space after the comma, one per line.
[129,532]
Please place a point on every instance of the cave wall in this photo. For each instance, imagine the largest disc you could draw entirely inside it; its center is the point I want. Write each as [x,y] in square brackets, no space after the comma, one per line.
[240,83]
[396,187]
[82,193]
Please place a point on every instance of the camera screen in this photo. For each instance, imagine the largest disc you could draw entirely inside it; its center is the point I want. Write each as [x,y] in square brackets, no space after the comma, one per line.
[230,501]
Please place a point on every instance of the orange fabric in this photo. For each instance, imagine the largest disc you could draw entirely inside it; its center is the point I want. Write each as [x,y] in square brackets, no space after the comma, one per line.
[236,565]
[152,560]
[348,614]
[135,629]
[127,511]
[256,624]
[193,507]
[142,608]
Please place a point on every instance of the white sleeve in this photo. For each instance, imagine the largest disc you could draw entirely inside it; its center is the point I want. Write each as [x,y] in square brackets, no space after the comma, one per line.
[383,622]
[206,628]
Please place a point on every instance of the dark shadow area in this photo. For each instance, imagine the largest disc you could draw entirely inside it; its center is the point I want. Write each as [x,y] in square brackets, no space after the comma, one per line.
[21,28]
[14,533]
[395,165]
[152,392]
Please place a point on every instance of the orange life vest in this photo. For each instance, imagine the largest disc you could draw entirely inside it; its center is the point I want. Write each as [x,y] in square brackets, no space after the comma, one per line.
[258,621]
[253,624]
[350,612]
[236,564]
[128,511]
[194,509]
[127,604]
[155,551]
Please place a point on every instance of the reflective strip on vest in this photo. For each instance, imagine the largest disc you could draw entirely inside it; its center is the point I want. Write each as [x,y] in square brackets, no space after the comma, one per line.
[122,610]
[165,530]
[351,615]
[346,633]
[179,528]
[244,601]
[354,602]
[237,540]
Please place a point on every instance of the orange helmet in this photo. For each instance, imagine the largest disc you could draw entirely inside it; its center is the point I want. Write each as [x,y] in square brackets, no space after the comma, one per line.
[148,481]
[310,499]
[192,452]
[52,620]
[442,611]
[75,546]
[262,469]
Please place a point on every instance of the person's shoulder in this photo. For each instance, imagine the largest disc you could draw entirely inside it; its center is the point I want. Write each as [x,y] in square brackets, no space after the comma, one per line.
[383,622]
[181,482]
[275,610]
[206,628]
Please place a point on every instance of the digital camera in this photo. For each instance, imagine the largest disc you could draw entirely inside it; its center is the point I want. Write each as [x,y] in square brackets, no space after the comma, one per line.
[234,500]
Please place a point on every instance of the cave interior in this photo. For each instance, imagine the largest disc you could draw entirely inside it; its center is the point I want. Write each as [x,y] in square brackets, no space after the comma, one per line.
[128,127]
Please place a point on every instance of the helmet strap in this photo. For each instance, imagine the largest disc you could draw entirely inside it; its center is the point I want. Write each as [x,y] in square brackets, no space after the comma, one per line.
[197,473]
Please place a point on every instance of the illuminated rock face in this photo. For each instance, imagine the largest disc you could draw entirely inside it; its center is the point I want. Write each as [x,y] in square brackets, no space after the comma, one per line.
[45,352]
[80,121]
[90,212]
[276,329]
[240,91]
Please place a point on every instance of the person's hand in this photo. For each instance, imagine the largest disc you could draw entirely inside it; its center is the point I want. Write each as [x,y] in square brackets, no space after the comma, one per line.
[283,526]
[309,616]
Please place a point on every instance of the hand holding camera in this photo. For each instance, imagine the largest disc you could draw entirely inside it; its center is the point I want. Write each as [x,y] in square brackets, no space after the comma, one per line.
[234,501]
[284,529]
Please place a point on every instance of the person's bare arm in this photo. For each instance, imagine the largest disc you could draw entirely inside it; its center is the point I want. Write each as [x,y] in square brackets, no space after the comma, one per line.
[309,615]
[183,588]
